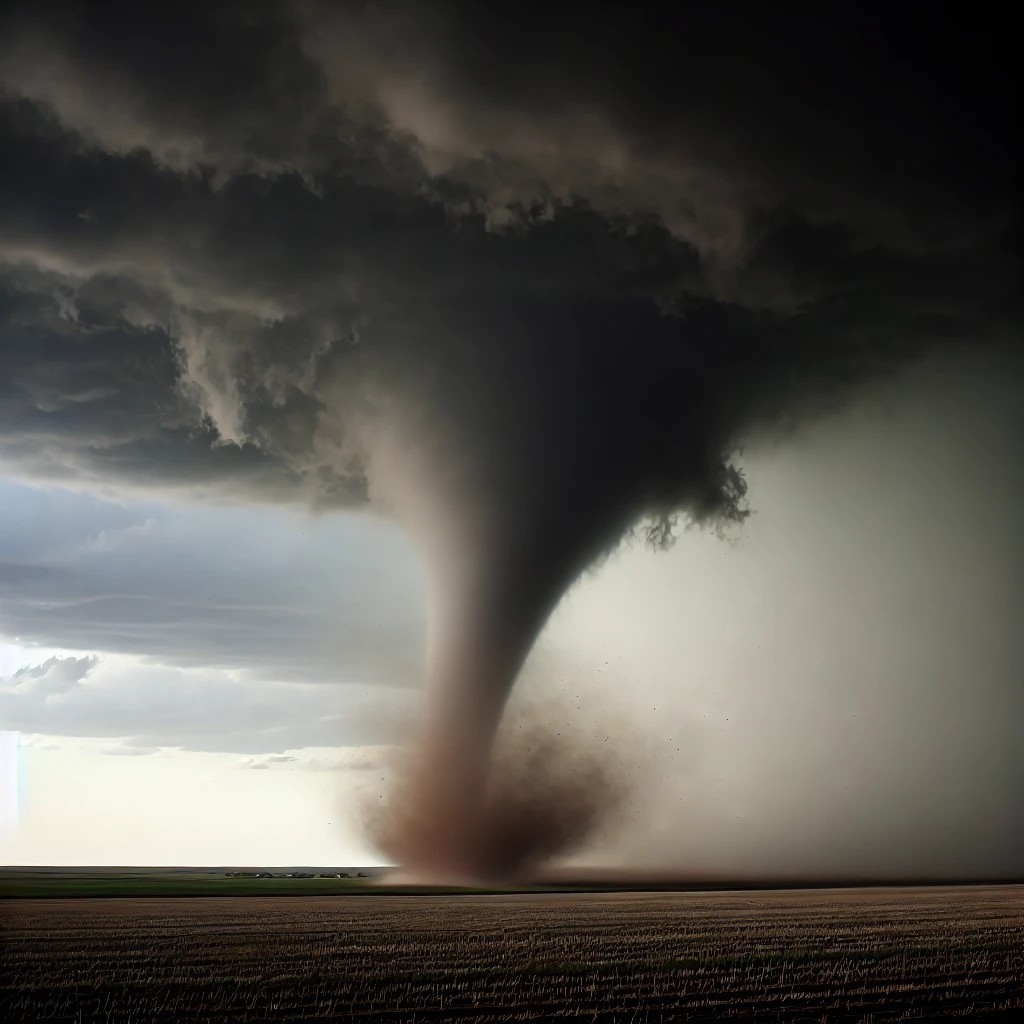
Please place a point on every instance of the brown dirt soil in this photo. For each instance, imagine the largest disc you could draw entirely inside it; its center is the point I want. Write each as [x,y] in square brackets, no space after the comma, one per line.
[828,956]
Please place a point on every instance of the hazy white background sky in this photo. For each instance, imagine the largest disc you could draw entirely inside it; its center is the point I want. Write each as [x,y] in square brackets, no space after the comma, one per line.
[842,685]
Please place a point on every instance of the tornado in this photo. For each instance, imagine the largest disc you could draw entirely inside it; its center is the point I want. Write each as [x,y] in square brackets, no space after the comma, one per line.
[516,457]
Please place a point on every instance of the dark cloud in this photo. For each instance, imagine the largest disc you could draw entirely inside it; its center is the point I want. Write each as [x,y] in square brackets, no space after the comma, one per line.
[321,176]
[180,586]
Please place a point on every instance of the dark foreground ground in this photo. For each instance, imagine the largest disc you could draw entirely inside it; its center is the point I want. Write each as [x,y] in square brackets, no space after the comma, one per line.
[827,956]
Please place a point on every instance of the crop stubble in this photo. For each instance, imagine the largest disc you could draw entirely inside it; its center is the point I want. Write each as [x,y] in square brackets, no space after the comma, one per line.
[787,956]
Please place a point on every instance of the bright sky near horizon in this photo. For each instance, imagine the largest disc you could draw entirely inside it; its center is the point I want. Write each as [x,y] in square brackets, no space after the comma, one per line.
[212,685]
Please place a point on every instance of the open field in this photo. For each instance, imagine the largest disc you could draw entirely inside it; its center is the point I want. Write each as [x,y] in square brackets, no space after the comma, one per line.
[148,883]
[166,882]
[771,956]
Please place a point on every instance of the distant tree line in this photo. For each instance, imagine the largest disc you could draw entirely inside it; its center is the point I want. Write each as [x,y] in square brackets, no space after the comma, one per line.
[295,874]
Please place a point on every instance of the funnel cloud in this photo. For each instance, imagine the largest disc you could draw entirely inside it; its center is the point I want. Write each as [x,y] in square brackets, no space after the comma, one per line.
[418,261]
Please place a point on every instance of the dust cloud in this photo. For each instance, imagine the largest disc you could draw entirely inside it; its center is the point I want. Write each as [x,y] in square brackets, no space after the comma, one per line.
[558,781]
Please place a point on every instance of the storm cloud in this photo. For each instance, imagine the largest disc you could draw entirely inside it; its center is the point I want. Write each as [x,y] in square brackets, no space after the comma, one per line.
[211,212]
[180,586]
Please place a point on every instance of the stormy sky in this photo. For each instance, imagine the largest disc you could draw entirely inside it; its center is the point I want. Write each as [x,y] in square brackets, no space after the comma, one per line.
[276,275]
